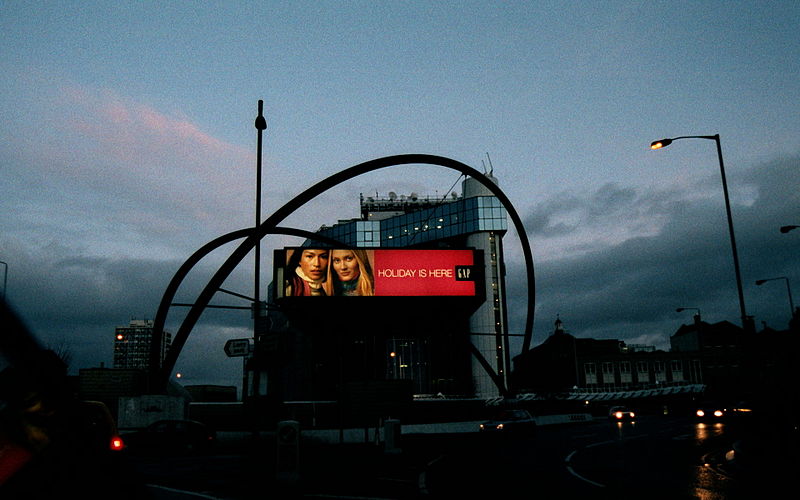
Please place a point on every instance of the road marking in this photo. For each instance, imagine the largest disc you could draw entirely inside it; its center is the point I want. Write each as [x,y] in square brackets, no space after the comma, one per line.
[185,492]
[594,483]
[572,471]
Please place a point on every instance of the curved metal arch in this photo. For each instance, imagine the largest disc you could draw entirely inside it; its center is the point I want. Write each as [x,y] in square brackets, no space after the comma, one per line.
[172,288]
[298,201]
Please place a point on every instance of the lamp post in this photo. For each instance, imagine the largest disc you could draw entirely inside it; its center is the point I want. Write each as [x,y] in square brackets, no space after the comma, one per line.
[666,142]
[5,278]
[261,125]
[697,316]
[788,290]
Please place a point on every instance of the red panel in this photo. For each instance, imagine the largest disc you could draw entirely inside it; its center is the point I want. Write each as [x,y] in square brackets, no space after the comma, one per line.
[423,273]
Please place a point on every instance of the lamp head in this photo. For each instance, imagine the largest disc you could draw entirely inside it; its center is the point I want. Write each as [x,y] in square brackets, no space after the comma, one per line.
[760,282]
[660,144]
[786,229]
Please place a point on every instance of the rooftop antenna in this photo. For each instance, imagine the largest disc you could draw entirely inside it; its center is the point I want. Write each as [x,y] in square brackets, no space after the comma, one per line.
[484,166]
[491,168]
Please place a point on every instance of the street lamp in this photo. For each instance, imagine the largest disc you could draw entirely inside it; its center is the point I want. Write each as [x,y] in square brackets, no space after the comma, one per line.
[788,290]
[786,229]
[697,316]
[666,142]
[5,278]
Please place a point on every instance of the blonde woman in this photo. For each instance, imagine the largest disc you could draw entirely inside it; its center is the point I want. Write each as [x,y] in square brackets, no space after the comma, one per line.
[349,273]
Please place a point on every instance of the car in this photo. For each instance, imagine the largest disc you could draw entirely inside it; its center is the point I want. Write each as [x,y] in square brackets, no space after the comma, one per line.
[512,421]
[621,413]
[171,436]
[711,411]
[95,425]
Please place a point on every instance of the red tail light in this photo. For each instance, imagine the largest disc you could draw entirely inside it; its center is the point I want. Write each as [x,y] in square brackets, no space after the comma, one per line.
[116,443]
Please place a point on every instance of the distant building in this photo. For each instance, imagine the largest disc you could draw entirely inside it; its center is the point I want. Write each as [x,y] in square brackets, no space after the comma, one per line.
[564,364]
[721,358]
[109,384]
[132,344]
[722,351]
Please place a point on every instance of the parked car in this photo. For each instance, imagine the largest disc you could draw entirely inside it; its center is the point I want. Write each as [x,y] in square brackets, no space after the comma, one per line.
[621,413]
[171,436]
[517,422]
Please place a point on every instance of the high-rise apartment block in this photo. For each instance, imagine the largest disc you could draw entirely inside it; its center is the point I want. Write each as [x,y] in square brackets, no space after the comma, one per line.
[132,344]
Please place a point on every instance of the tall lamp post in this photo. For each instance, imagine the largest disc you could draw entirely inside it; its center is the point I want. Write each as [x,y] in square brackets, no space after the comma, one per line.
[696,316]
[5,278]
[788,290]
[666,142]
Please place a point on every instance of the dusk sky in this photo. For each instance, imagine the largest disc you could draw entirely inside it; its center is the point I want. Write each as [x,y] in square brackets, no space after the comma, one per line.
[128,142]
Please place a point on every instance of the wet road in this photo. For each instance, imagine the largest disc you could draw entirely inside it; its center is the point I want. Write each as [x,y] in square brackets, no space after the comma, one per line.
[654,457]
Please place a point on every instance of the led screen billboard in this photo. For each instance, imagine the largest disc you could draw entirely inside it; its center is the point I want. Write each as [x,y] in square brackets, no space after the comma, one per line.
[378,272]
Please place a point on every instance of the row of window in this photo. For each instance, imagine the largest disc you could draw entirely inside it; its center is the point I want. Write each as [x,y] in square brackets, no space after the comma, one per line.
[676,365]
[482,213]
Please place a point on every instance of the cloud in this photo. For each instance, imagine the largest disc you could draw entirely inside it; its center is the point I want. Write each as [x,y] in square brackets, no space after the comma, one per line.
[70,298]
[629,289]
[127,177]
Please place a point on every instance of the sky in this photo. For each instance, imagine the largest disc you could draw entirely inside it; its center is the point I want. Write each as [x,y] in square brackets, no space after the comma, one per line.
[128,142]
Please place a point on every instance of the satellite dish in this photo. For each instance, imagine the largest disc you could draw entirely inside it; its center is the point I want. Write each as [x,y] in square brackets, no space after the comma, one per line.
[392,195]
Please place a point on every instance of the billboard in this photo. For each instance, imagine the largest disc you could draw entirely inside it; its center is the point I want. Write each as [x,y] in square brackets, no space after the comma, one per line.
[378,272]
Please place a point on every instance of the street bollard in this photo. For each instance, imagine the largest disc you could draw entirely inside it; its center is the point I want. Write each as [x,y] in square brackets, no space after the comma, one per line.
[287,437]
[391,433]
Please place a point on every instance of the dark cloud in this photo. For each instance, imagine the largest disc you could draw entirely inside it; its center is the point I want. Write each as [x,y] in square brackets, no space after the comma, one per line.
[73,302]
[631,289]
[627,289]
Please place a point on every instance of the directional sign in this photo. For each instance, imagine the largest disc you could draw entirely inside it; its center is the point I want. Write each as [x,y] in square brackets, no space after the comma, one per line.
[237,347]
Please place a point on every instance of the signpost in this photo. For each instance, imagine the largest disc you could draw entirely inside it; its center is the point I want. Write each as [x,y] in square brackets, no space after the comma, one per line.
[235,348]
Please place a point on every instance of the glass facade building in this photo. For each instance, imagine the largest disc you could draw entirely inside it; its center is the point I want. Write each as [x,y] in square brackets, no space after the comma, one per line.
[418,226]
[476,219]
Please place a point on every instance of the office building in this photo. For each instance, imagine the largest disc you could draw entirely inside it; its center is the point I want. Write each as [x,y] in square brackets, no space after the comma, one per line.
[429,341]
[132,344]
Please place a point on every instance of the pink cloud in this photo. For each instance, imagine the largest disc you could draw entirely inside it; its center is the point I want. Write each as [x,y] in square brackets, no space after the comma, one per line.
[113,143]
[119,125]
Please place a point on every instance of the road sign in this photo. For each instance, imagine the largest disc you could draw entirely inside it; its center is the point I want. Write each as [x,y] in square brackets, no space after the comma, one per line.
[237,347]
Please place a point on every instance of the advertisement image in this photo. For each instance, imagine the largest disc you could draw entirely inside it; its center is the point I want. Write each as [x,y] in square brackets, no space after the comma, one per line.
[324,272]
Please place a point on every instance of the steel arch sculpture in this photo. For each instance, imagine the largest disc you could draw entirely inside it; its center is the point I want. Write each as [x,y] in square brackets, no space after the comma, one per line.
[172,288]
[269,225]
